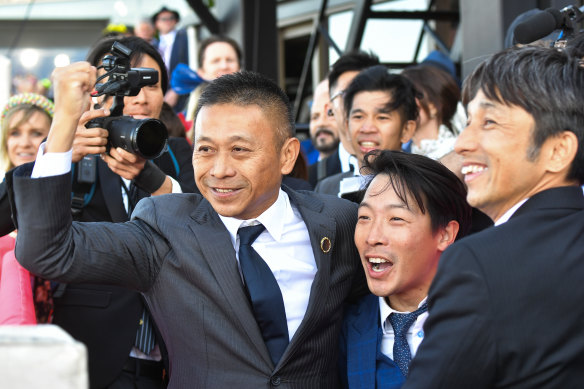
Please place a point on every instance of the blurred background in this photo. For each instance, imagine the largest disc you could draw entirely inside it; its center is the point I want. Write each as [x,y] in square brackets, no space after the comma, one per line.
[292,41]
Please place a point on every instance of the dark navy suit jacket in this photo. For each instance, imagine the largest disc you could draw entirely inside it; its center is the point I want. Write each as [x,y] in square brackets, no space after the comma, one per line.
[361,363]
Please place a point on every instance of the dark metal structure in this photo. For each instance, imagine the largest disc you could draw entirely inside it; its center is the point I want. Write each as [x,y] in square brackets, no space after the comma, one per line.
[362,12]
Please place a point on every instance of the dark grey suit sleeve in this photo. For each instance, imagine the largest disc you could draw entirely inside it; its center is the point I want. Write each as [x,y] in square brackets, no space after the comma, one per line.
[329,185]
[459,349]
[50,245]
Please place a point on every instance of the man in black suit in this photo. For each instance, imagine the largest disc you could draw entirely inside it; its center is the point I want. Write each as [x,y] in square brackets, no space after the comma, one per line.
[506,303]
[342,73]
[324,135]
[380,114]
[104,317]
[186,253]
[173,45]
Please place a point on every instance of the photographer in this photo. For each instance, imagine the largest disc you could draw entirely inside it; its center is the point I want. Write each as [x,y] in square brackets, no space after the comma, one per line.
[107,318]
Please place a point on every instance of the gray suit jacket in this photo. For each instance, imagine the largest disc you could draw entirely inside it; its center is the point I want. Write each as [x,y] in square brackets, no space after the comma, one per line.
[331,185]
[179,254]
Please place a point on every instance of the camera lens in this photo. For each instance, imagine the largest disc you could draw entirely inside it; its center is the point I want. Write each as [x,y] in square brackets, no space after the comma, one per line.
[144,137]
[151,138]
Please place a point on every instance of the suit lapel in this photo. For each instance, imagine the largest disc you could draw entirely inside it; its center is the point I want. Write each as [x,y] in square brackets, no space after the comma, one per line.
[209,230]
[319,226]
[362,342]
[560,197]
[333,164]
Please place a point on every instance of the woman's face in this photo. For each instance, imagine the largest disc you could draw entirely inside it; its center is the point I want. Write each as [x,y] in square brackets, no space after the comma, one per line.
[24,138]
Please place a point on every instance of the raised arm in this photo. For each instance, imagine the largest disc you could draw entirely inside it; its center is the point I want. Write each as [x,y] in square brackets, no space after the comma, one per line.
[72,86]
[48,243]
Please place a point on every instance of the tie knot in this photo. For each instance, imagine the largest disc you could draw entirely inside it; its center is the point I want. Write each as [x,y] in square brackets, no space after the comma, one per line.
[402,321]
[247,235]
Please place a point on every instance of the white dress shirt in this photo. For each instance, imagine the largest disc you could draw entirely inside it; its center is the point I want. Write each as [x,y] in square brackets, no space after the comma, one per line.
[165,44]
[55,164]
[415,332]
[507,215]
[285,246]
[348,161]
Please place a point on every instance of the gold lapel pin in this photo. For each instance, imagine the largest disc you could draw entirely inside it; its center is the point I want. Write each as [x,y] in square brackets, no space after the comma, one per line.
[325,245]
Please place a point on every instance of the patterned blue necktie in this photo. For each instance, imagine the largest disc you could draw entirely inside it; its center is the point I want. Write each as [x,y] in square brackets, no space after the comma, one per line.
[145,338]
[401,322]
[264,292]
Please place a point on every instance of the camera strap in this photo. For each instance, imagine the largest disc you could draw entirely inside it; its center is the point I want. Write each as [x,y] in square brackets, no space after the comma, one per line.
[84,180]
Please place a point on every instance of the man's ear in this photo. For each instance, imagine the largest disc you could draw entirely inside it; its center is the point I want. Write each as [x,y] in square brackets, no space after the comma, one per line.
[447,235]
[432,110]
[288,155]
[560,151]
[408,131]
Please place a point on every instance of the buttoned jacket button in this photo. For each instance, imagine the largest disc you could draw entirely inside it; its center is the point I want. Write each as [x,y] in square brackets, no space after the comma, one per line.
[275,381]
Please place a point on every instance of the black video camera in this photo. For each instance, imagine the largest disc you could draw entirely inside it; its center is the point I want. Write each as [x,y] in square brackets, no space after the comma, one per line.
[144,137]
[542,23]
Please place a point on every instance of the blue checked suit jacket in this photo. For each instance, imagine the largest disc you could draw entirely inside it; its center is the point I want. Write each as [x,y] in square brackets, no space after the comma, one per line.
[361,363]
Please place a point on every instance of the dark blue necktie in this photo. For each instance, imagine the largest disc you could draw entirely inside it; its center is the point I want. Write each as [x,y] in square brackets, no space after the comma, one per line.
[145,338]
[401,322]
[264,292]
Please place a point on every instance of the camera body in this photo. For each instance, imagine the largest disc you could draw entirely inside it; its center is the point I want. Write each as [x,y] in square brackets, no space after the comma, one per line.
[144,137]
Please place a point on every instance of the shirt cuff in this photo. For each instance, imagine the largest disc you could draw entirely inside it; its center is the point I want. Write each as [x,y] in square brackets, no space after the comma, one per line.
[51,164]
[175,185]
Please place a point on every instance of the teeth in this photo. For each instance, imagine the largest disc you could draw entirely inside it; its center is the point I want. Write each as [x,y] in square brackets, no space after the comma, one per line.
[224,190]
[368,144]
[377,260]
[376,268]
[472,169]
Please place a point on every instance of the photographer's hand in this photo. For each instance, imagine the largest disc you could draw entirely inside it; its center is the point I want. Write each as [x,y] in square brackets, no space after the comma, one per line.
[124,163]
[131,167]
[72,87]
[90,140]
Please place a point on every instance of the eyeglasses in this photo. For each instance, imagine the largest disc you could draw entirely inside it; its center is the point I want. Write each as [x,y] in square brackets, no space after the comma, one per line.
[339,93]
[166,18]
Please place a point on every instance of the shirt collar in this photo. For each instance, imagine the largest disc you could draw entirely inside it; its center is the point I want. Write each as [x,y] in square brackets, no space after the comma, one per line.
[385,310]
[168,36]
[273,219]
[507,215]
[347,160]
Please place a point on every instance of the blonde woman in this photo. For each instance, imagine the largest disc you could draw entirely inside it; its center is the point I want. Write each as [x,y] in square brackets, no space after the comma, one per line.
[25,122]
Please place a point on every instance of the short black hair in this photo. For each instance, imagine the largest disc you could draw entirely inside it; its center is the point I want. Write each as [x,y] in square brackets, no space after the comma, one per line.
[545,82]
[174,13]
[436,190]
[139,48]
[214,39]
[249,88]
[352,61]
[378,78]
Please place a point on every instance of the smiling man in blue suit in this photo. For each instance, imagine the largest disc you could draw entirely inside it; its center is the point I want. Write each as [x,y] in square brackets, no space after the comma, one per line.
[413,209]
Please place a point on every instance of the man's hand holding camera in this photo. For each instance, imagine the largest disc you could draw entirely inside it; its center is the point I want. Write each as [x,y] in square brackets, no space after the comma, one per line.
[90,140]
[124,143]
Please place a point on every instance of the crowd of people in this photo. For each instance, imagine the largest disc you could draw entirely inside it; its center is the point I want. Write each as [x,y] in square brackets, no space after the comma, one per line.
[436,243]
